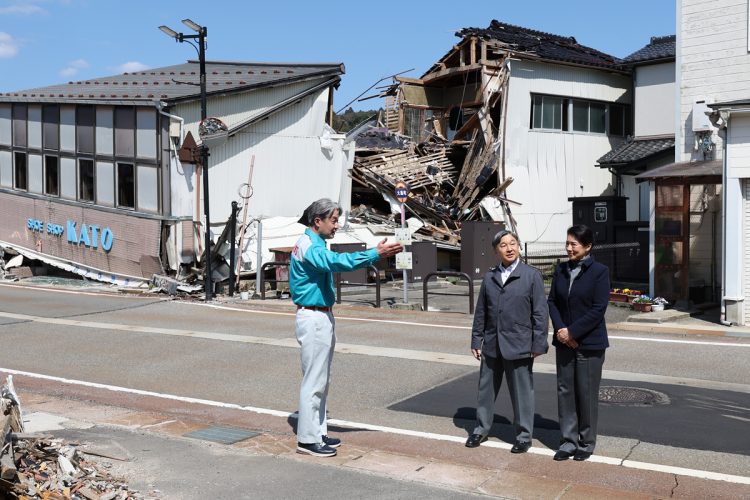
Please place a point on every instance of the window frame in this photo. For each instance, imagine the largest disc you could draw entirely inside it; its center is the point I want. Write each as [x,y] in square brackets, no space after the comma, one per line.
[25,155]
[568,114]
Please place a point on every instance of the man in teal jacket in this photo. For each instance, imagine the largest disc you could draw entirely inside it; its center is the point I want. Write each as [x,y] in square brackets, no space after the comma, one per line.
[311,281]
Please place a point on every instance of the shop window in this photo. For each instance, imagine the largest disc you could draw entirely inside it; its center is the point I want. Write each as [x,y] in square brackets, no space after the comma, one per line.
[51,127]
[20,113]
[125,185]
[20,171]
[86,180]
[125,131]
[51,176]
[85,129]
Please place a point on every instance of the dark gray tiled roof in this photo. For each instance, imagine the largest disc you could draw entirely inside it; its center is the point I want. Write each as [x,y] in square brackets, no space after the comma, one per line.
[544,45]
[660,47]
[175,83]
[637,150]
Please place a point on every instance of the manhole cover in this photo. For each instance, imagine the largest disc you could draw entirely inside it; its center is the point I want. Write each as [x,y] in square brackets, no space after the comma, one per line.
[631,396]
[224,435]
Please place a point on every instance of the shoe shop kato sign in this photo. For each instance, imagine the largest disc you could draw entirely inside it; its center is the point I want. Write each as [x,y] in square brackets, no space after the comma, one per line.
[91,235]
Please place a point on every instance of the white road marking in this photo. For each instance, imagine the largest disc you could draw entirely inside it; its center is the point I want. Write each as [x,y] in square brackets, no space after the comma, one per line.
[458,327]
[717,476]
[366,350]
[103,293]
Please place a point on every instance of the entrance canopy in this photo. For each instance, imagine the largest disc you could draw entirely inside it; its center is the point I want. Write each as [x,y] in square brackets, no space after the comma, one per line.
[684,169]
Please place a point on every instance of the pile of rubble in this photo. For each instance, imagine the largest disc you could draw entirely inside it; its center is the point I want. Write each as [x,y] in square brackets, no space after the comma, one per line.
[34,466]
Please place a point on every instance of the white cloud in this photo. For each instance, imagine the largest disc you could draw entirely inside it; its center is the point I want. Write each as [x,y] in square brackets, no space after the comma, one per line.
[22,9]
[130,67]
[73,67]
[8,46]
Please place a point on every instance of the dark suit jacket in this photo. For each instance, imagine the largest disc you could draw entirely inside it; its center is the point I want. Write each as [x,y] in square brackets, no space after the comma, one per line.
[582,310]
[511,319]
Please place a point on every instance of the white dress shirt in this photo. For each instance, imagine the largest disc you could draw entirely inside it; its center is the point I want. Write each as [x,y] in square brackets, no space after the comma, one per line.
[506,271]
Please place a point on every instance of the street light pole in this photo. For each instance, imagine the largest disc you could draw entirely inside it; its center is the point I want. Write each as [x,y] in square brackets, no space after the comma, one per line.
[201,31]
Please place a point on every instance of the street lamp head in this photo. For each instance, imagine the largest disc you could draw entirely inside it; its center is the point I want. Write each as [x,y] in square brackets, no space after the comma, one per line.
[169,32]
[192,25]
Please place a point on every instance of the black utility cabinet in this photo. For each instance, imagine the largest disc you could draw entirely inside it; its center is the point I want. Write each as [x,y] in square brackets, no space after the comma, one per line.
[424,260]
[477,254]
[356,276]
[600,213]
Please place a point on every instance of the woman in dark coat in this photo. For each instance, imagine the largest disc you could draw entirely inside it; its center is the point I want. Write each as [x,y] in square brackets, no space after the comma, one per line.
[577,301]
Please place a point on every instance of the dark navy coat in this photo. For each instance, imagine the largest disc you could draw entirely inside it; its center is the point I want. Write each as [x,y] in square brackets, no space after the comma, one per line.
[511,319]
[582,310]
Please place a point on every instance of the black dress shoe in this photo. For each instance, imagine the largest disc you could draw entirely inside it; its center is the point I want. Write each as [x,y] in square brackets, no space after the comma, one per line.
[581,456]
[332,442]
[520,447]
[562,455]
[316,449]
[475,440]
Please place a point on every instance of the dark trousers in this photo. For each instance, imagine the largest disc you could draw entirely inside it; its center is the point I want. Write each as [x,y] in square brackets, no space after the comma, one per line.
[579,374]
[521,388]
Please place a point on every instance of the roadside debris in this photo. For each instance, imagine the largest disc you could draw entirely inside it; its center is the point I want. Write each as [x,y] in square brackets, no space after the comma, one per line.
[39,466]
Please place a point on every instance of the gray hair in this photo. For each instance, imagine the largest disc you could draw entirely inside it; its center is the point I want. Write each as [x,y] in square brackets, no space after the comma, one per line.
[499,236]
[322,208]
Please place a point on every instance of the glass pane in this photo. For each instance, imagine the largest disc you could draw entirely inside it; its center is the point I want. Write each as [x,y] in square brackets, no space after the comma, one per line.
[85,129]
[669,225]
[551,116]
[51,127]
[19,125]
[537,121]
[86,180]
[125,185]
[21,172]
[125,131]
[669,253]
[668,196]
[51,176]
[580,116]
[616,119]
[597,113]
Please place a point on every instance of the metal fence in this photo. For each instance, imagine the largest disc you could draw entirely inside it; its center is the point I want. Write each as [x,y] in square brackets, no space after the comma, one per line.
[627,262]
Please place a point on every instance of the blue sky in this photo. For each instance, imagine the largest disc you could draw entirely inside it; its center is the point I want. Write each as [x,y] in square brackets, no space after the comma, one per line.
[44,42]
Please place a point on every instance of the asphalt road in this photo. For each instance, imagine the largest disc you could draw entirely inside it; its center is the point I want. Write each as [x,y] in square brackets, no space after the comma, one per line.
[389,370]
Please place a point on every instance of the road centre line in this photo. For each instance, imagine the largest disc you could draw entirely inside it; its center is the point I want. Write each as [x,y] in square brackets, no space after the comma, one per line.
[375,351]
[717,476]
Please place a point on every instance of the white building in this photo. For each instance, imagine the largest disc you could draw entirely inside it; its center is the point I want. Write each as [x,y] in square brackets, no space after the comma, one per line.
[91,179]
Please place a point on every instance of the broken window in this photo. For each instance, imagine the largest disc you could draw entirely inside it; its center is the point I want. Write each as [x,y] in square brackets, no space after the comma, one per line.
[125,185]
[86,180]
[21,177]
[51,176]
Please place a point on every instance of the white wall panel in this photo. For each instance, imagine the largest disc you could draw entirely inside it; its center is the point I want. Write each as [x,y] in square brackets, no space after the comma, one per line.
[654,99]
[67,128]
[104,130]
[36,176]
[549,167]
[746,248]
[146,133]
[68,178]
[6,169]
[738,147]
[35,127]
[148,189]
[5,124]
[105,183]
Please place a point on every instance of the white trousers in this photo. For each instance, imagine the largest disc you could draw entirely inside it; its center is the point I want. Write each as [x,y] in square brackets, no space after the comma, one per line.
[317,338]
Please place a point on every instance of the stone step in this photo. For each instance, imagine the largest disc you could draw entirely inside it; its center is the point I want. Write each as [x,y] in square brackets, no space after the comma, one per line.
[666,316]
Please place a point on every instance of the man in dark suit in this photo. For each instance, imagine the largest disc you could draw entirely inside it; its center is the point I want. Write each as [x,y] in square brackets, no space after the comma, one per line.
[509,331]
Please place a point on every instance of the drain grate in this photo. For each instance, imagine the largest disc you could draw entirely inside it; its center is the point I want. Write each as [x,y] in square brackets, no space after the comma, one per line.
[631,396]
[223,435]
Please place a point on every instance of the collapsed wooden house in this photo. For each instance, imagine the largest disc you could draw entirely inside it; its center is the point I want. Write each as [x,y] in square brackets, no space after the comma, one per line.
[505,105]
